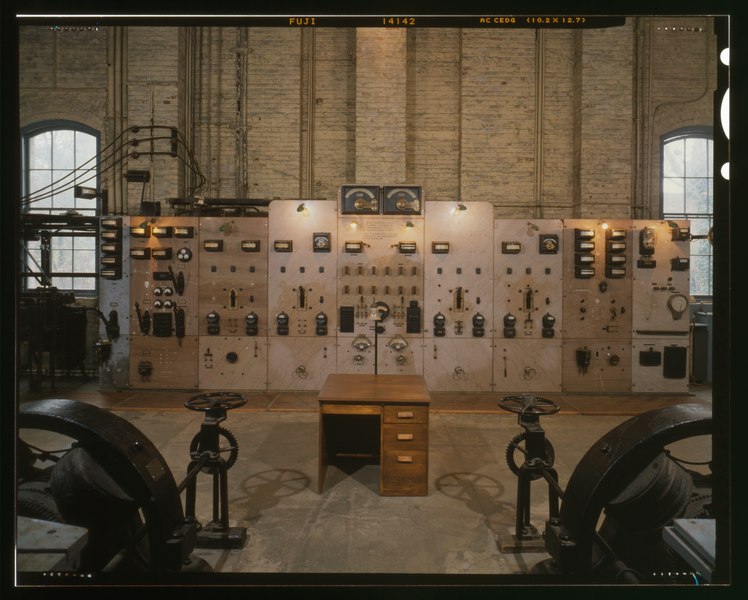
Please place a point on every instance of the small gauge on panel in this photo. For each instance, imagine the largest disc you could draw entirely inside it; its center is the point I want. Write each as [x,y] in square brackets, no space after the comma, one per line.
[678,305]
[399,200]
[360,200]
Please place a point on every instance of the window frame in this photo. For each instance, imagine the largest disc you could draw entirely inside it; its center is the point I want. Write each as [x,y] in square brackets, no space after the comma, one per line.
[29,131]
[701,132]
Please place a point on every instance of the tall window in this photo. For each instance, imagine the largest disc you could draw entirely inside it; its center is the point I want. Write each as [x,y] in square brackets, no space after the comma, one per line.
[687,176]
[57,157]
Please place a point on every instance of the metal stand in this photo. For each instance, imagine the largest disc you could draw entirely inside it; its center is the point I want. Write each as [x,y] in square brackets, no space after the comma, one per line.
[206,457]
[538,462]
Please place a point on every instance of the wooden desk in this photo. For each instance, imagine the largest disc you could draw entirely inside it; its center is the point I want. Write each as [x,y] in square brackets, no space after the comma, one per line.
[377,417]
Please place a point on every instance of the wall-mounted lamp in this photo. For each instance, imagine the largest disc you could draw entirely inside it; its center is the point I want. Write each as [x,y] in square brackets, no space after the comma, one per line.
[409,224]
[604,225]
[354,225]
[86,193]
[460,207]
[89,193]
[302,208]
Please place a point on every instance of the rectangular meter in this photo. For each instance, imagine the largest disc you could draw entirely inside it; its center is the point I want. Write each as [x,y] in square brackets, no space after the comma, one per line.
[250,245]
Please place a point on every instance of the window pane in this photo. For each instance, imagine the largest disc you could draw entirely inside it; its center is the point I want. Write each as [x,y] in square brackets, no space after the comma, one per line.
[85,243]
[697,161]
[62,243]
[40,151]
[85,283]
[63,283]
[63,148]
[84,261]
[40,180]
[701,284]
[64,197]
[62,261]
[697,196]
[672,159]
[85,150]
[672,200]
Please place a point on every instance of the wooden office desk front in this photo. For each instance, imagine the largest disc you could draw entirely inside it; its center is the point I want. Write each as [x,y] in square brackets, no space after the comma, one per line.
[377,417]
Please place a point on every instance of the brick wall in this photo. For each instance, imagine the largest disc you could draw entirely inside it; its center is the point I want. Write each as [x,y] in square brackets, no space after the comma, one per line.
[459,112]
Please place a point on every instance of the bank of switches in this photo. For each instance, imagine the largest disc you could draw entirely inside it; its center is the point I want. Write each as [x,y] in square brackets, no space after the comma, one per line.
[379,281]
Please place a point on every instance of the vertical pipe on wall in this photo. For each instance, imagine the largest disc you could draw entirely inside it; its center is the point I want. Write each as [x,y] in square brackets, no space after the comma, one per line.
[241,161]
[117,113]
[311,99]
[539,110]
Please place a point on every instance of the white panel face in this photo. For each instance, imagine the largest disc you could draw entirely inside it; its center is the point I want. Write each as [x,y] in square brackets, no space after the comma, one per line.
[660,365]
[232,363]
[356,354]
[380,261]
[597,365]
[661,278]
[528,269]
[597,279]
[527,365]
[457,270]
[301,267]
[233,275]
[299,363]
[458,365]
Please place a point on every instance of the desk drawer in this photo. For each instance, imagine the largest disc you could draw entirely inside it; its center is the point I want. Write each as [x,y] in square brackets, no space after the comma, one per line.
[405,437]
[406,414]
[405,473]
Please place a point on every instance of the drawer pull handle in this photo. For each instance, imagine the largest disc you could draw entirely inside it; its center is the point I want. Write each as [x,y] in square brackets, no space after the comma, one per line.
[405,414]
[405,437]
[405,459]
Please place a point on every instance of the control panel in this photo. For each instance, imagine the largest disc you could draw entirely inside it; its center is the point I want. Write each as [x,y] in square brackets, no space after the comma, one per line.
[661,301]
[458,303]
[597,305]
[232,309]
[528,267]
[378,282]
[301,293]
[163,301]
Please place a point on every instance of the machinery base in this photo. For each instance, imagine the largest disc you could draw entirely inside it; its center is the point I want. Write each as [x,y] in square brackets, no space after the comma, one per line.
[232,538]
[531,541]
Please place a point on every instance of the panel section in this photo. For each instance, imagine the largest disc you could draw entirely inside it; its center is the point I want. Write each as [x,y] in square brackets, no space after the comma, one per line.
[527,365]
[233,362]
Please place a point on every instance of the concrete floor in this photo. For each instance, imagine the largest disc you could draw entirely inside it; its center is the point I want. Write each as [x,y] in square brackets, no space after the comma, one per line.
[457,529]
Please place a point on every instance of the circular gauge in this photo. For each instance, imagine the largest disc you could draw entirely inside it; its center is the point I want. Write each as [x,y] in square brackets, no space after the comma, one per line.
[678,304]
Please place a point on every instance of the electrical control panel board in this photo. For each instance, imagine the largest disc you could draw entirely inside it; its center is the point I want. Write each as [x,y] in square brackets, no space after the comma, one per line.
[379,281]
[458,303]
[661,306]
[302,261]
[380,291]
[233,295]
[163,301]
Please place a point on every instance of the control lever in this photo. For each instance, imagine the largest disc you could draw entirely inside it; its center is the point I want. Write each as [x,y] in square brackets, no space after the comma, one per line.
[111,325]
[177,280]
[144,320]
[179,322]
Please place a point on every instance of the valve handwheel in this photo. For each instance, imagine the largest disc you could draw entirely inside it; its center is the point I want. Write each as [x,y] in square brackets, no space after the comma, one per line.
[216,400]
[529,404]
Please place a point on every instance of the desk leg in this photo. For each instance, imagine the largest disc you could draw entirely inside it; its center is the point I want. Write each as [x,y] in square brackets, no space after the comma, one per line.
[322,468]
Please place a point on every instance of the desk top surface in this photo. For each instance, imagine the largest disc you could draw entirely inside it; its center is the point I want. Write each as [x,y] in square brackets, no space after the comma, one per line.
[342,387]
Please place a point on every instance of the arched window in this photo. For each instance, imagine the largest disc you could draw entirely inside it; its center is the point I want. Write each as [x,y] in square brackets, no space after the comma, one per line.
[687,193]
[59,158]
